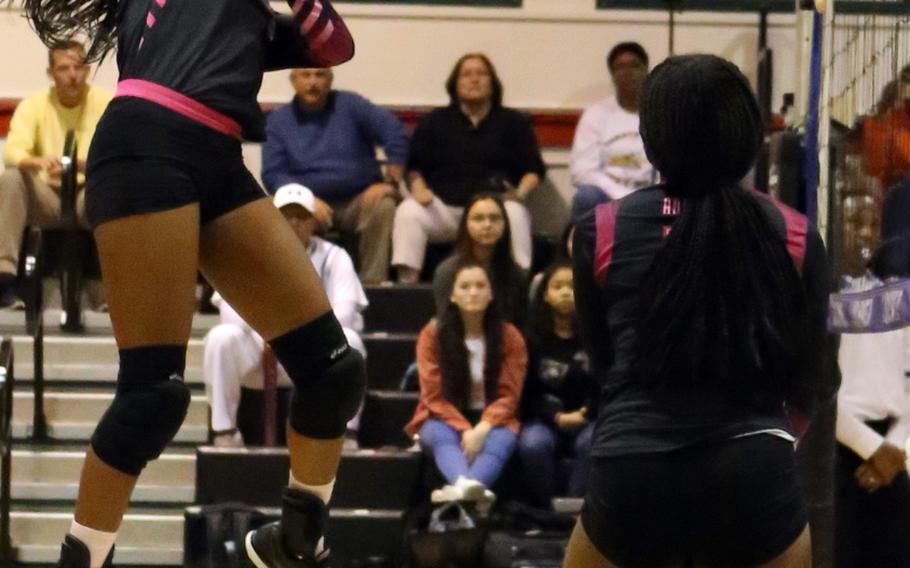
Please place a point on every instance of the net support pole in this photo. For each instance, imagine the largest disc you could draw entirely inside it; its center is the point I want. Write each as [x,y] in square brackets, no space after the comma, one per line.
[804,19]
[824,119]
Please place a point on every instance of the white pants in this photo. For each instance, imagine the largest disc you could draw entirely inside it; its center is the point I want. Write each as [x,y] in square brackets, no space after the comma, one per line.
[416,225]
[233,359]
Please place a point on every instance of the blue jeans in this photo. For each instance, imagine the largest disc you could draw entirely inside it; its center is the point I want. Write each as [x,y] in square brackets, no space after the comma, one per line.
[539,446]
[444,443]
[586,198]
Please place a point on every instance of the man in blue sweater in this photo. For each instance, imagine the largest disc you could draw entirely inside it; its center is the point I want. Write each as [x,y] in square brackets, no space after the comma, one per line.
[326,140]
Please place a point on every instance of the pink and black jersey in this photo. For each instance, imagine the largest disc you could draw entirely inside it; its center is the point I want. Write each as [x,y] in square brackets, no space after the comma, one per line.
[215,52]
[614,247]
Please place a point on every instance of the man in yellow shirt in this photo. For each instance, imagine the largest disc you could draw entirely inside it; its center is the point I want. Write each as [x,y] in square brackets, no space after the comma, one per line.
[30,185]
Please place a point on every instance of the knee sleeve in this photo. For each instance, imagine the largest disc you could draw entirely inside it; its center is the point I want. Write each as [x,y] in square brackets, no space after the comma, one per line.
[148,408]
[329,377]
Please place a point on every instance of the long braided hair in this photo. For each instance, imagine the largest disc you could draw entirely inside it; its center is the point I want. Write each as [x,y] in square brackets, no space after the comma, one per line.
[59,21]
[722,302]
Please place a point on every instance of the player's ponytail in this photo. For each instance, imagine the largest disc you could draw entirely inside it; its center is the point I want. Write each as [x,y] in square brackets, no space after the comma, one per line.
[59,21]
[722,302]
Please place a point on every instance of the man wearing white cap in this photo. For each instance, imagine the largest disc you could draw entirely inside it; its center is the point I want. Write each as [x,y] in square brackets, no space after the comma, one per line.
[234,352]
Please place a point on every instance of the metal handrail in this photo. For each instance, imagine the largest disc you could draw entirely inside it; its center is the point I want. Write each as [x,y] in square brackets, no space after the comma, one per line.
[6,447]
[73,256]
[33,292]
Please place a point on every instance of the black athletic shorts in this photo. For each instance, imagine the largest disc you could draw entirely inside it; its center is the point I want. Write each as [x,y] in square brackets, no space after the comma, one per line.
[730,505]
[146,158]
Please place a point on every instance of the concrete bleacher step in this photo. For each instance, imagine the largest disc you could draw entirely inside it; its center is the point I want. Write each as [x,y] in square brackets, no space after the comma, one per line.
[40,474]
[388,356]
[367,479]
[81,358]
[385,413]
[357,534]
[398,308]
[72,414]
[153,537]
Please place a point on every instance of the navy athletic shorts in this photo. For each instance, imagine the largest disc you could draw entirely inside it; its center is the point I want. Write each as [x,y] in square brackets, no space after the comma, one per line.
[146,158]
[730,505]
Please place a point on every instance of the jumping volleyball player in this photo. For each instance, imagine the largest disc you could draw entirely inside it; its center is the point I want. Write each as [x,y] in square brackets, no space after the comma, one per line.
[168,194]
[703,306]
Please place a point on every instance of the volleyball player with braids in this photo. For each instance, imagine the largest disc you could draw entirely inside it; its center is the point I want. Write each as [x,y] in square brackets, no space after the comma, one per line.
[168,194]
[703,308]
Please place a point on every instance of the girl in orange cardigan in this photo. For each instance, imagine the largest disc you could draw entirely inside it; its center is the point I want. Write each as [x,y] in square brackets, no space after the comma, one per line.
[472,367]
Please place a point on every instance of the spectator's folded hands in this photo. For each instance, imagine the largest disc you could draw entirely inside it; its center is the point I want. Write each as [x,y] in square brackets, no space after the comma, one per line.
[40,163]
[889,461]
[323,213]
[423,194]
[373,194]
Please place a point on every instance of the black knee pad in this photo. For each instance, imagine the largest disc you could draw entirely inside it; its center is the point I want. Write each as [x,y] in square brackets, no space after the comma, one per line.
[150,405]
[322,407]
[329,377]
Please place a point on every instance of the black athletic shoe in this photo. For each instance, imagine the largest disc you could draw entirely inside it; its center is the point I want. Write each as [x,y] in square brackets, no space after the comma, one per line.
[291,542]
[8,298]
[74,554]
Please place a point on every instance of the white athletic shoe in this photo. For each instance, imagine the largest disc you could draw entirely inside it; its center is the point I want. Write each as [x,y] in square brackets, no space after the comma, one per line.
[446,494]
[471,489]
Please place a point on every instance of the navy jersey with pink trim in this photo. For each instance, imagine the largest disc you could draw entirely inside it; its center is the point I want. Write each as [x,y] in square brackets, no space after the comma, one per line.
[614,247]
[216,51]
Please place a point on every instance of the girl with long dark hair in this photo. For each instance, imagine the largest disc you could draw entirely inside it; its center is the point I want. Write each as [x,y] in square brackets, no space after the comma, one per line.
[557,404]
[703,308]
[471,365]
[484,237]
[168,195]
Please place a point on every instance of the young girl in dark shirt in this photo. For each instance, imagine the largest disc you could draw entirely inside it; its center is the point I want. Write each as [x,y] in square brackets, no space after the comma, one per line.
[557,405]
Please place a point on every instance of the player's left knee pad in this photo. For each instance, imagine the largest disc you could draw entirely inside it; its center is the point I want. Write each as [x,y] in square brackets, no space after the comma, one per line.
[148,409]
[329,377]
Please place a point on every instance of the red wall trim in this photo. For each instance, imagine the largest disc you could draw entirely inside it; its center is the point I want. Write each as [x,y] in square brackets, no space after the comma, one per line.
[555,129]
[7,106]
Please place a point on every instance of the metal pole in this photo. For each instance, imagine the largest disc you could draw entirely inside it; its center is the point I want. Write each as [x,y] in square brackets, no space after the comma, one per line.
[39,419]
[6,442]
[824,126]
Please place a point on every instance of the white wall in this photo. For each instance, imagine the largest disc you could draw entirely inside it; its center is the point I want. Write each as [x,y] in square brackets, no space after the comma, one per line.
[549,53]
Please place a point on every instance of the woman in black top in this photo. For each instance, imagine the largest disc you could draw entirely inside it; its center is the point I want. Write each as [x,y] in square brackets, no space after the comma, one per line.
[703,308]
[558,399]
[458,150]
[168,195]
[483,238]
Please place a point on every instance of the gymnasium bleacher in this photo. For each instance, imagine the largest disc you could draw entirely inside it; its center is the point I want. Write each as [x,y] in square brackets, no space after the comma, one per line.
[376,484]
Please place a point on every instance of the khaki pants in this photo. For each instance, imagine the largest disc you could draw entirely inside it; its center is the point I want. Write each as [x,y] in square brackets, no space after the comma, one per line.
[416,225]
[26,201]
[374,229]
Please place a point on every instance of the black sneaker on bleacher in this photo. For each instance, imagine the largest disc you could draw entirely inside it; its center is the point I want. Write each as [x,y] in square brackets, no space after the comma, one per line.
[74,554]
[9,300]
[291,542]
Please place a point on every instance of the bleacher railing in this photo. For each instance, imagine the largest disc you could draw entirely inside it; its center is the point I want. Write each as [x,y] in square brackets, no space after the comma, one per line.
[73,253]
[6,447]
[32,287]
[33,294]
